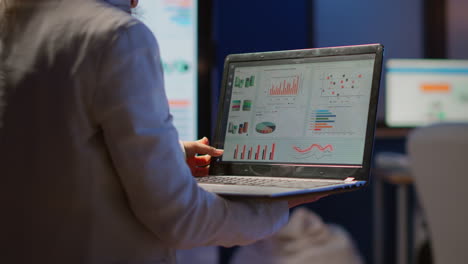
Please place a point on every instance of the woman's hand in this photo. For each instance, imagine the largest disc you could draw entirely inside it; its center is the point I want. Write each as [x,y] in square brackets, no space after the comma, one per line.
[198,154]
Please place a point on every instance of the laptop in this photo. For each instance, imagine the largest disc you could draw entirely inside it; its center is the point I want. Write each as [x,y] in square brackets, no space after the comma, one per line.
[296,123]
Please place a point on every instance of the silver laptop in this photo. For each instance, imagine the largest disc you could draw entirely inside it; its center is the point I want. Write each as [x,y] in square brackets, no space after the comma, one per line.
[296,122]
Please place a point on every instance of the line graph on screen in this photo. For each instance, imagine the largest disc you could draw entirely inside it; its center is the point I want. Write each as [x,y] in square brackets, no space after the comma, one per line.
[315,151]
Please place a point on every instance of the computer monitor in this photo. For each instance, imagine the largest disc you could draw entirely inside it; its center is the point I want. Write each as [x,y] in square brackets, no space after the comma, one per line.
[178,27]
[424,91]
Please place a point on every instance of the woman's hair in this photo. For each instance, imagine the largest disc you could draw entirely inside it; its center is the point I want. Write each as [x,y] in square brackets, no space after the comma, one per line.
[5,22]
[7,14]
[2,93]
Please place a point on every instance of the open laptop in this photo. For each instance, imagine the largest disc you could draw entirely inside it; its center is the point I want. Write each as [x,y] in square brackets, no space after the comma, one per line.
[295,123]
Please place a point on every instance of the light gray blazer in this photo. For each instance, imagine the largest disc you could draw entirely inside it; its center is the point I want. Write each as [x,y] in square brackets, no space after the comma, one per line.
[91,168]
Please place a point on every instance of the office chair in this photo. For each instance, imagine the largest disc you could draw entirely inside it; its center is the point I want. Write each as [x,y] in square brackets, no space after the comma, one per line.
[439,164]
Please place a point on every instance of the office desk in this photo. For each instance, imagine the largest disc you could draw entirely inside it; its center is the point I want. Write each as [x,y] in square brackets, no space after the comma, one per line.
[402,180]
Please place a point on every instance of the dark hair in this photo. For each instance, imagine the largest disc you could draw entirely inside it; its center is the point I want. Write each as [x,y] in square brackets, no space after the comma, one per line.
[2,94]
[4,23]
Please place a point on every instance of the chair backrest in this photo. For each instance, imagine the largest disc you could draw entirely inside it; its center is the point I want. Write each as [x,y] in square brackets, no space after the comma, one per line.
[439,164]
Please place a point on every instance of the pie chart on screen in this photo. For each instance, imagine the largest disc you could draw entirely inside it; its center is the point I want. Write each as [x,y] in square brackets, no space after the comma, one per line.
[265,127]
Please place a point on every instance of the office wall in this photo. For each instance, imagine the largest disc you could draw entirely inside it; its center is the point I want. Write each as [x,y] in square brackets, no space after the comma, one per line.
[253,25]
[457,29]
[397,24]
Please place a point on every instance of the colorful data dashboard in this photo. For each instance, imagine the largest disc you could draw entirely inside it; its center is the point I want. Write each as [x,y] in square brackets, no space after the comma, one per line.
[315,111]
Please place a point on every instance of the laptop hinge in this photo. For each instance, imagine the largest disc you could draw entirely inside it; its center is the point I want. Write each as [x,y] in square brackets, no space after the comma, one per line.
[349,179]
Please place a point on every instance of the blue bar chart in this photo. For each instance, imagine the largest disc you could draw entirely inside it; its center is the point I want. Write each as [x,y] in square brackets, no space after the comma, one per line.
[322,119]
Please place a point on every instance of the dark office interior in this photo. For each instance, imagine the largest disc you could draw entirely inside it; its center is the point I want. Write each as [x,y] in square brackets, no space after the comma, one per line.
[412,211]
[408,29]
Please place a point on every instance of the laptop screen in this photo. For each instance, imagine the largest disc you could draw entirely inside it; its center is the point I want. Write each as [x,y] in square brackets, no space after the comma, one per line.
[298,111]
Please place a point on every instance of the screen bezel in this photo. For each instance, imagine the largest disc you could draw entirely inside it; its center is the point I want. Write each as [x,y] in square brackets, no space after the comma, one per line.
[328,171]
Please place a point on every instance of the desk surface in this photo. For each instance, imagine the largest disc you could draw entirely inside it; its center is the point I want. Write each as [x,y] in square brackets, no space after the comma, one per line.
[397,177]
[386,132]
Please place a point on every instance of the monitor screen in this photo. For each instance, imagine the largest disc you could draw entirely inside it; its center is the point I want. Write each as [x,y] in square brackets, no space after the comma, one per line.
[424,91]
[175,25]
[310,111]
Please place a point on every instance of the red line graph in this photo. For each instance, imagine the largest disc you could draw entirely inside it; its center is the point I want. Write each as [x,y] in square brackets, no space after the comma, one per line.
[329,147]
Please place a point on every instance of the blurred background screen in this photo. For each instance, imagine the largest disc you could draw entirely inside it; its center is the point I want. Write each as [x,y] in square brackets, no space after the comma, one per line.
[425,91]
[174,23]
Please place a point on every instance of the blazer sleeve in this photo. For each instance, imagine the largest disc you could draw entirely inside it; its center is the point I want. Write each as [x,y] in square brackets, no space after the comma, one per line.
[131,107]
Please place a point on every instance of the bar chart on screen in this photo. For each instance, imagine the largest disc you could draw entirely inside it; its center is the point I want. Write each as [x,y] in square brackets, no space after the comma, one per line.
[281,89]
[285,85]
[238,128]
[244,79]
[322,119]
[254,152]
[334,121]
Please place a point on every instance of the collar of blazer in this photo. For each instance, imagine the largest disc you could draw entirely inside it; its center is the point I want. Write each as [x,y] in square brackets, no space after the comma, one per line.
[125,5]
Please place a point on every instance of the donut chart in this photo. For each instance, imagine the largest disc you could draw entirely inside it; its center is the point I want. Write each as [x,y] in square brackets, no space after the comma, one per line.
[265,127]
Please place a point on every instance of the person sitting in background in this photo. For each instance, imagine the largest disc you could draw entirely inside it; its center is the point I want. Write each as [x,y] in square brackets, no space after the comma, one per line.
[90,163]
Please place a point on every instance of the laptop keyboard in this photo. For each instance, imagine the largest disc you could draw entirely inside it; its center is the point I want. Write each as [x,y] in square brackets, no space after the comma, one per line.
[268,182]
